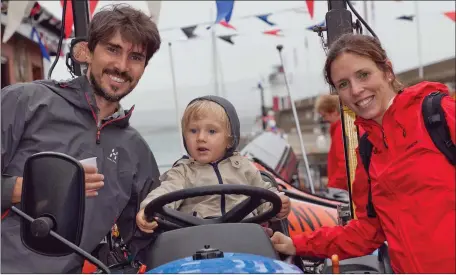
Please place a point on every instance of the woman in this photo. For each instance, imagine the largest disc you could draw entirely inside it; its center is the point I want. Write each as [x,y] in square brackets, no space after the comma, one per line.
[413,184]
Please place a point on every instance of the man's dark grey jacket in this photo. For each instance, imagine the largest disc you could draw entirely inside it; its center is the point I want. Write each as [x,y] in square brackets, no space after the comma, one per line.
[49,116]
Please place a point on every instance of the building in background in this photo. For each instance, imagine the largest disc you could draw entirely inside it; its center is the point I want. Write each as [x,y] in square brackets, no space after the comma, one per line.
[26,54]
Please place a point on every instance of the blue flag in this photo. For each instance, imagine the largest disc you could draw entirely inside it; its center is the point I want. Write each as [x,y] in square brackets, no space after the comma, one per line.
[44,52]
[265,19]
[322,24]
[224,10]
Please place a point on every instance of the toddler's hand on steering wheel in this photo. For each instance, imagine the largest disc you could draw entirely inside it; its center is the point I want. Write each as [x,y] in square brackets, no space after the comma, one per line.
[143,224]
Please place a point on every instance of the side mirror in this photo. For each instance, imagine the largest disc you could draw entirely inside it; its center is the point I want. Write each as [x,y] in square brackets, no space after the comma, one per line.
[53,195]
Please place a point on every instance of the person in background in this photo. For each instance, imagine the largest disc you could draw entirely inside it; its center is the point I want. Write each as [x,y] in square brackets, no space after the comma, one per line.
[412,182]
[328,108]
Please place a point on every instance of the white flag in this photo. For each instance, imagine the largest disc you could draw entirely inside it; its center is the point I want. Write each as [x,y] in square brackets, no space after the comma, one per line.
[154,10]
[17,10]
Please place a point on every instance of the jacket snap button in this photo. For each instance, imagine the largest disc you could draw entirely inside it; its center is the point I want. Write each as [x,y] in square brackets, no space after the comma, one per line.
[236,162]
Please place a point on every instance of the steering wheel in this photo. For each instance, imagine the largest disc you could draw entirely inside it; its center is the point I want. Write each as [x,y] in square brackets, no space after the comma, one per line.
[173,219]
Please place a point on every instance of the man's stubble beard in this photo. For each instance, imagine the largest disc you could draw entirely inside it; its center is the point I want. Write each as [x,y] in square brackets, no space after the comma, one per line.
[100,92]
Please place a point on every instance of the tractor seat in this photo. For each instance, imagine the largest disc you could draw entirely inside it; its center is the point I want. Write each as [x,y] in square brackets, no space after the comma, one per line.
[229,238]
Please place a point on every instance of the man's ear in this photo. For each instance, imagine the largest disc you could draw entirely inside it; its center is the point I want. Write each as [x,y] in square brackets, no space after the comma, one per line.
[81,53]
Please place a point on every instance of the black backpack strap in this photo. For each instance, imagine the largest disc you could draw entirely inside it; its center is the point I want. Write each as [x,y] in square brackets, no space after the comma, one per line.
[365,151]
[436,125]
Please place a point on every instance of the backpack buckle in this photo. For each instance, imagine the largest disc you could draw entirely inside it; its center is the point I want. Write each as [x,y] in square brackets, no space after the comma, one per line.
[434,119]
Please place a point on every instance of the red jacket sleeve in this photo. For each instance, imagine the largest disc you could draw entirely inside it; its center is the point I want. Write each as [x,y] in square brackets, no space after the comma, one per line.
[358,238]
[337,176]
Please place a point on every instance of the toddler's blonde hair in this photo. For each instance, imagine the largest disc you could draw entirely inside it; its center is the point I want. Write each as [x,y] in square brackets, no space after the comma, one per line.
[201,109]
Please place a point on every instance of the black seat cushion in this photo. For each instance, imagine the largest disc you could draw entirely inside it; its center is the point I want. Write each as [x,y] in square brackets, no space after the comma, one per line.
[229,237]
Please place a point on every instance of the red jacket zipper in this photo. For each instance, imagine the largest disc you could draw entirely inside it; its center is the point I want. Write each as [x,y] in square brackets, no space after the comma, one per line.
[98,141]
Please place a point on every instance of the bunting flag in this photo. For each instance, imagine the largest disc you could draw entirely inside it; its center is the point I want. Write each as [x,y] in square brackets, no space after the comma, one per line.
[227,25]
[224,10]
[406,17]
[265,19]
[17,10]
[189,31]
[451,15]
[69,15]
[275,32]
[43,49]
[154,10]
[310,7]
[321,25]
[227,38]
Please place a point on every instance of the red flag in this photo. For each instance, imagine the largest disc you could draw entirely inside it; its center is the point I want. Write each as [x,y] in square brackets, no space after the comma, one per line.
[93,6]
[451,15]
[69,15]
[310,7]
[273,32]
[227,25]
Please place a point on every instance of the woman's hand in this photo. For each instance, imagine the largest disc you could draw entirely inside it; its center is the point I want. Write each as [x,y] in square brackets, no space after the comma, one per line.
[283,244]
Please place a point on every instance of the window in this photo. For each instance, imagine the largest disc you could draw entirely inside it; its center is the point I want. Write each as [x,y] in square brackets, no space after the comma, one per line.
[37,72]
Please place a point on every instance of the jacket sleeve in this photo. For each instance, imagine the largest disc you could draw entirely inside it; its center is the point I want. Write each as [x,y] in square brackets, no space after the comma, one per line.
[339,178]
[359,237]
[254,177]
[15,113]
[449,106]
[172,180]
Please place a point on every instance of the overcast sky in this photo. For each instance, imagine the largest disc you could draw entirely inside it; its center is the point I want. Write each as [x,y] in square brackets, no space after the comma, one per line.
[253,55]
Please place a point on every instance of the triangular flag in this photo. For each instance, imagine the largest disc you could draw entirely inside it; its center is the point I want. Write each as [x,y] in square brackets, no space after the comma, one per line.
[68,17]
[93,6]
[406,17]
[451,15]
[224,10]
[69,14]
[44,52]
[154,10]
[227,38]
[17,10]
[227,25]
[310,7]
[265,19]
[321,25]
[275,32]
[189,31]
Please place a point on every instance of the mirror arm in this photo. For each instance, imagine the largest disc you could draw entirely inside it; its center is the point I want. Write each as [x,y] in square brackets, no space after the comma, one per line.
[75,248]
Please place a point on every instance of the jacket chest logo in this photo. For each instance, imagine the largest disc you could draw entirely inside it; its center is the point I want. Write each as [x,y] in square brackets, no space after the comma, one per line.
[113,156]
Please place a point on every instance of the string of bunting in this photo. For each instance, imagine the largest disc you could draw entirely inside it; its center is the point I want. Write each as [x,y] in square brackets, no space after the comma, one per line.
[224,16]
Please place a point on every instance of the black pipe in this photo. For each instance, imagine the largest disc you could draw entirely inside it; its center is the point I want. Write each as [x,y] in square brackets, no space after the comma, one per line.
[263,107]
[339,22]
[81,26]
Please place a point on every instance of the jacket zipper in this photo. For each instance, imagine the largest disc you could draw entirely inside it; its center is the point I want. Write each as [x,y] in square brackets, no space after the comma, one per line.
[219,178]
[399,228]
[98,141]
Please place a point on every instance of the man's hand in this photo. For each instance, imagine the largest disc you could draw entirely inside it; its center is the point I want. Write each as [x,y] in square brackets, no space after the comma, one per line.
[17,191]
[283,244]
[286,206]
[143,224]
[93,180]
